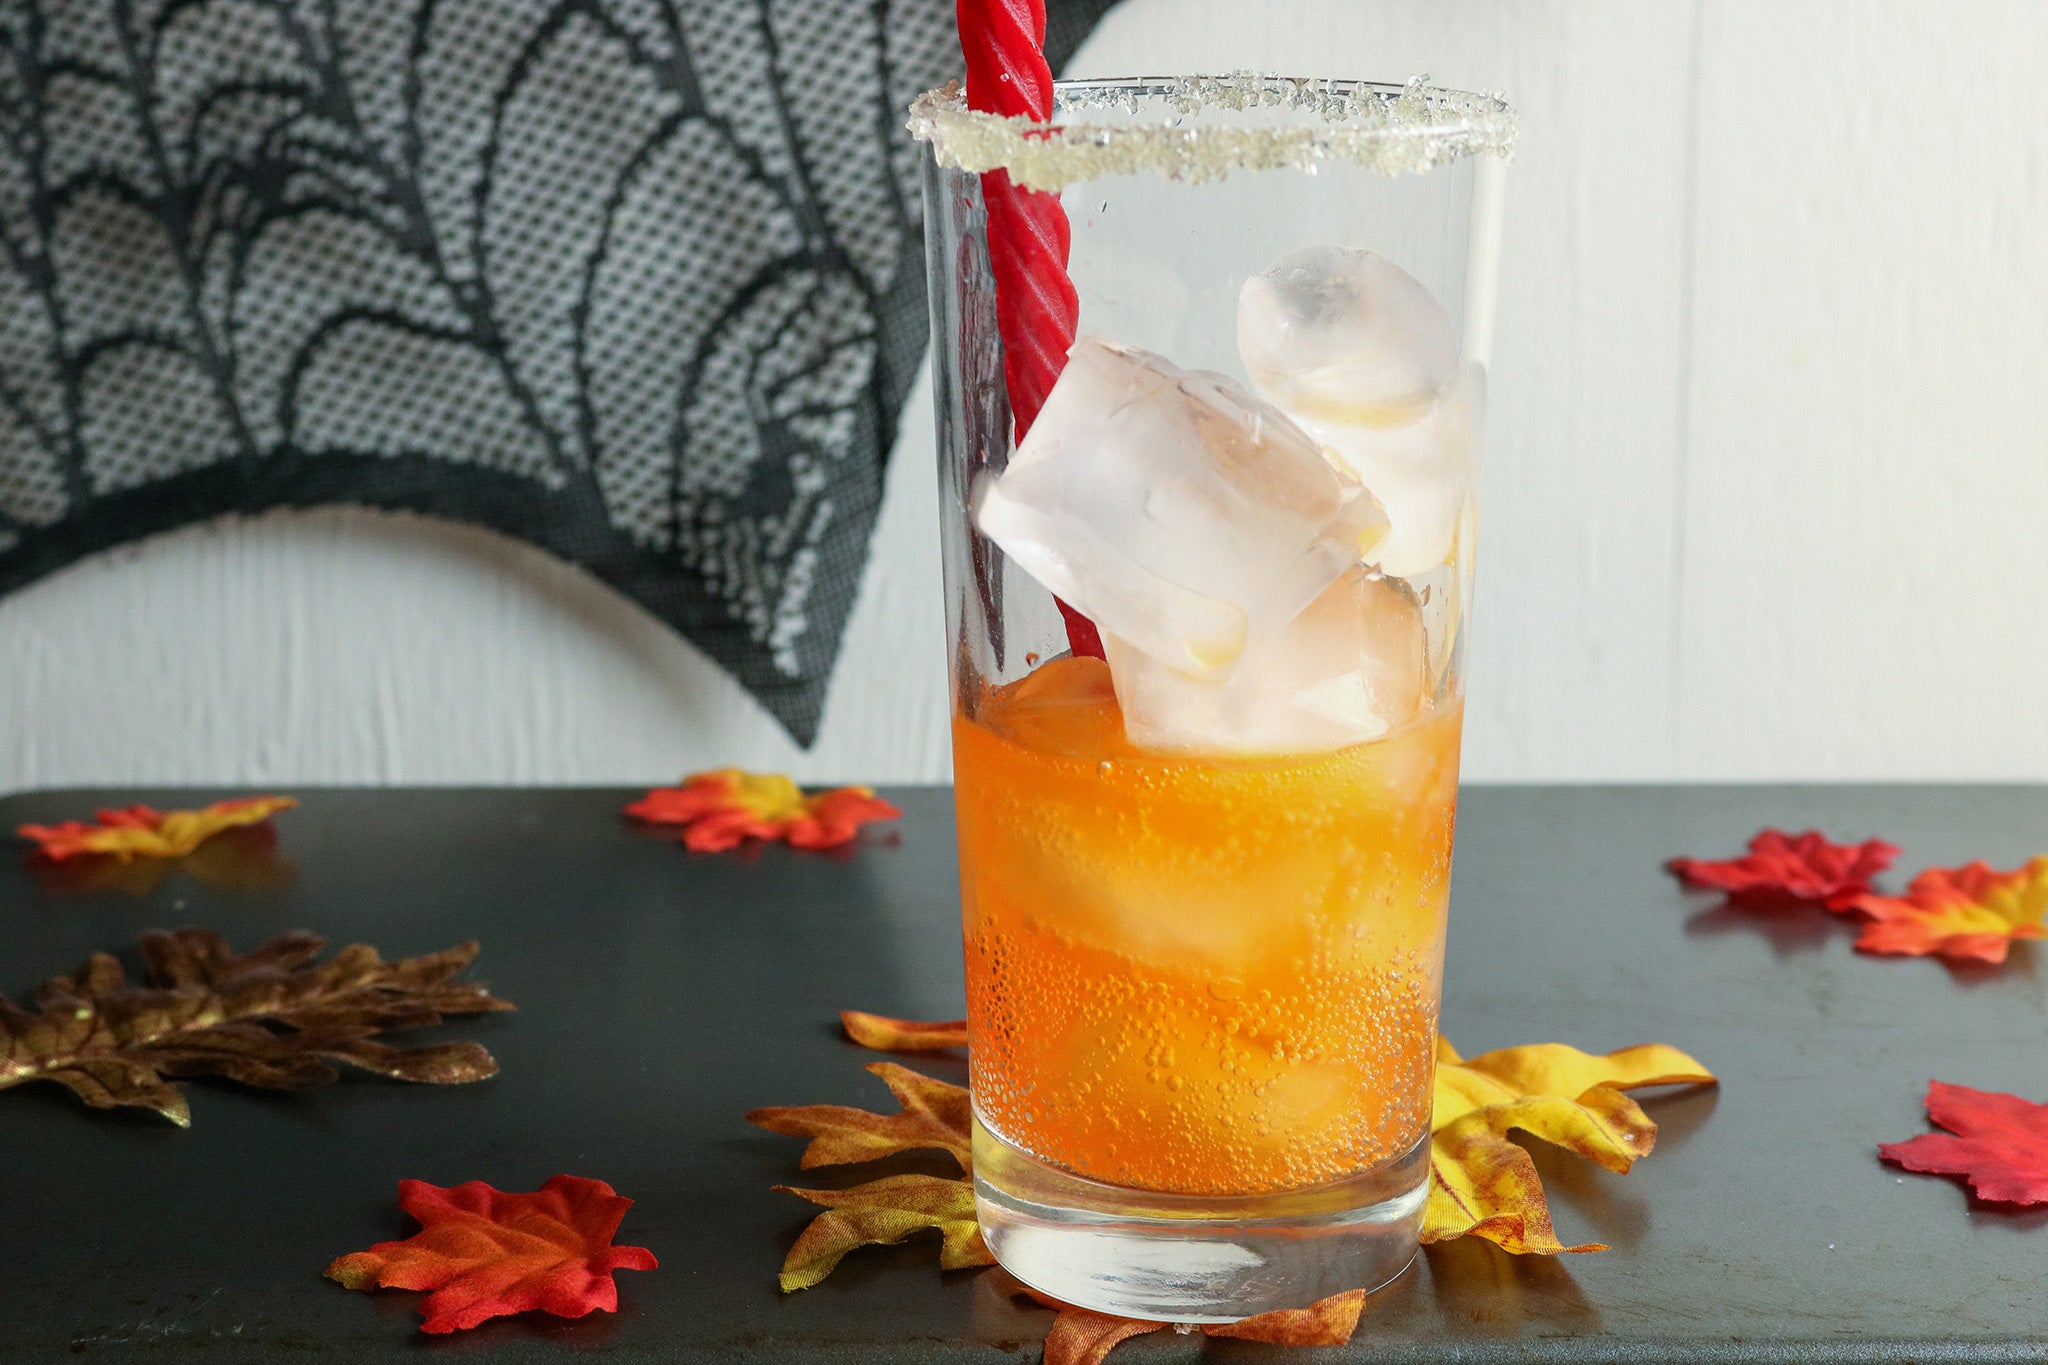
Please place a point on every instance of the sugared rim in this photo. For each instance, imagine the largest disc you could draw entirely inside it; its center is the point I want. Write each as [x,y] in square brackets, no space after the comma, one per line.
[1391,129]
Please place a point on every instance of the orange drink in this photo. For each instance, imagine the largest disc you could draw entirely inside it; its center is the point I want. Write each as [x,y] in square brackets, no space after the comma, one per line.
[1209,415]
[1201,976]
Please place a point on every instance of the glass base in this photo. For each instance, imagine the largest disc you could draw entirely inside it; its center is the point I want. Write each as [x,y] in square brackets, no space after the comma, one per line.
[1191,1258]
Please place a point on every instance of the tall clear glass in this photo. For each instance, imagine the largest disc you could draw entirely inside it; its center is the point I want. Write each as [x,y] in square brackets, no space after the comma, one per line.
[1203,879]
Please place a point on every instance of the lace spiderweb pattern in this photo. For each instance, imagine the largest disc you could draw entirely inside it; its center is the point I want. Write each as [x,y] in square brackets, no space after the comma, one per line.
[638,281]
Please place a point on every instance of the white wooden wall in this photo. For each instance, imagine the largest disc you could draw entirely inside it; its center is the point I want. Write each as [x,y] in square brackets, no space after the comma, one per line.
[1765,493]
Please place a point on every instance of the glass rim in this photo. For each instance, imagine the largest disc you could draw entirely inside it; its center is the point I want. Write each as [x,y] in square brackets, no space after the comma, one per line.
[1389,128]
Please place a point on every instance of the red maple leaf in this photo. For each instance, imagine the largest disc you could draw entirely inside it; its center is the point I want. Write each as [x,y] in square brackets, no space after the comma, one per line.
[1969,913]
[484,1253]
[720,810]
[1996,1142]
[1799,867]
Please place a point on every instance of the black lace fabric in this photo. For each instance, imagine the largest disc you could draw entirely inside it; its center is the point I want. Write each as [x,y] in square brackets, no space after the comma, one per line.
[638,281]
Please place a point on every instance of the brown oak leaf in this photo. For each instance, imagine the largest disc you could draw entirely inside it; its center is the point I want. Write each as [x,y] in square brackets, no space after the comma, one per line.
[264,1018]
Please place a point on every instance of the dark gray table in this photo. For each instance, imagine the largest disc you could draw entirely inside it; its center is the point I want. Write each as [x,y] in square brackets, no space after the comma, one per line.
[662,994]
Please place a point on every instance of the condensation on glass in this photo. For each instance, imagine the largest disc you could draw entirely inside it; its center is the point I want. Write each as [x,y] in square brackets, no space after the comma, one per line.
[1204,877]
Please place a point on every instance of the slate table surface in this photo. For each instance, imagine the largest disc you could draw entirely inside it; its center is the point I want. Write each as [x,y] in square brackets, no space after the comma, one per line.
[661,994]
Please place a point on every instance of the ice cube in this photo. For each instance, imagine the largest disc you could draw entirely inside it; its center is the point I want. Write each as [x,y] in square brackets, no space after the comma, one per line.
[1345,336]
[1181,513]
[1349,668]
[1362,356]
[1420,471]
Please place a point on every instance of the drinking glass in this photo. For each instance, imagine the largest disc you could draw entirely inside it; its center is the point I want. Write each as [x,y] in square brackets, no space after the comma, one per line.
[1203,880]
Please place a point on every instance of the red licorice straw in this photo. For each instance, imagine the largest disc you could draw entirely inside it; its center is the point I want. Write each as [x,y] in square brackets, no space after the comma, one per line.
[1028,234]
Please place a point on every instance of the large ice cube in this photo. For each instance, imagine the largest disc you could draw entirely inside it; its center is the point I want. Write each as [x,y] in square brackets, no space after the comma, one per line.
[1345,336]
[1178,511]
[1421,472]
[1362,356]
[1348,669]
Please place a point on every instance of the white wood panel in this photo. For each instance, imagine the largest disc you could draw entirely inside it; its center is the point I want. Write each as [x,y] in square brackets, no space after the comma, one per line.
[348,646]
[1571,672]
[1866,582]
[1762,499]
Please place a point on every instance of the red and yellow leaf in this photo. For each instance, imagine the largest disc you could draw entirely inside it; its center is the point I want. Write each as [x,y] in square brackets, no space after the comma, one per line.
[720,810]
[883,1034]
[141,832]
[1969,913]
[882,1213]
[1996,1142]
[935,1115]
[483,1253]
[1800,867]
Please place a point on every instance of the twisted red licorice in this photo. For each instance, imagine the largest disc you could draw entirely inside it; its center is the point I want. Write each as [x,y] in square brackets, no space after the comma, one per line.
[1028,235]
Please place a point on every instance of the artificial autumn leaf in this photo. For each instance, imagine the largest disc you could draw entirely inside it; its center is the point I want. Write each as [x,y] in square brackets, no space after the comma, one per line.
[883,1034]
[1970,913]
[935,1115]
[1081,1336]
[264,1018]
[721,810]
[1799,867]
[139,831]
[485,1253]
[1326,1322]
[1482,1184]
[242,860]
[1996,1142]
[882,1213]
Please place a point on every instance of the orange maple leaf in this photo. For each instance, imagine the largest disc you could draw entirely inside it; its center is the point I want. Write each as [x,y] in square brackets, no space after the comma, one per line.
[1082,1336]
[883,1034]
[1969,913]
[720,810]
[140,831]
[485,1253]
[935,1115]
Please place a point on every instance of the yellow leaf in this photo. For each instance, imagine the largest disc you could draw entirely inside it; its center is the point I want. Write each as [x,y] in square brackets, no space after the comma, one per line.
[1484,1185]
[884,1212]
[1550,1069]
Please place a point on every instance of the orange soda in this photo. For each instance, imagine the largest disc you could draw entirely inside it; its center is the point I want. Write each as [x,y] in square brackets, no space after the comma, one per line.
[1199,975]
